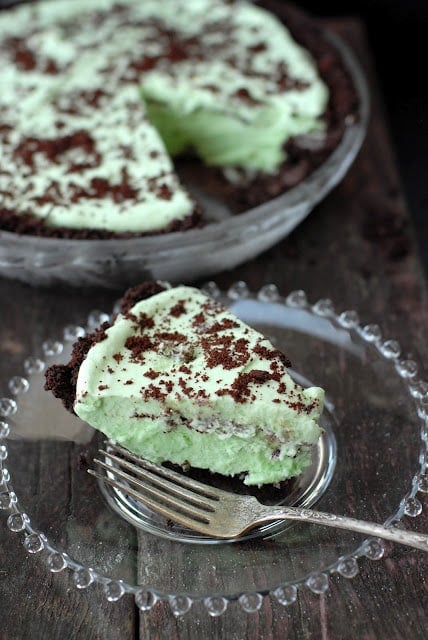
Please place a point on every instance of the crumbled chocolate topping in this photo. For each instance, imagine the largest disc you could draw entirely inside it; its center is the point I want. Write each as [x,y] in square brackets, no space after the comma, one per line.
[164,192]
[258,375]
[29,147]
[153,392]
[178,309]
[168,385]
[188,391]
[143,321]
[302,407]
[240,389]
[100,188]
[26,59]
[198,319]
[170,336]
[282,388]
[184,369]
[138,345]
[226,323]
[271,354]
[152,374]
[225,351]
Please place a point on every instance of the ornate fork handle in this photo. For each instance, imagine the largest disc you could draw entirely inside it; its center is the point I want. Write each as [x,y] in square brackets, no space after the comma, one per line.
[401,536]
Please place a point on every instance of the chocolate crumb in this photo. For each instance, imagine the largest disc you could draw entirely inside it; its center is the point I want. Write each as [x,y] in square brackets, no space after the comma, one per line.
[178,309]
[240,389]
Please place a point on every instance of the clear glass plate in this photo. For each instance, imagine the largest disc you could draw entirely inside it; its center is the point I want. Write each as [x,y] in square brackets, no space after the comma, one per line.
[226,241]
[376,418]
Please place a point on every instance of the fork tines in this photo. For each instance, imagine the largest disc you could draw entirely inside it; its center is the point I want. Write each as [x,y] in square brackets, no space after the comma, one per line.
[162,489]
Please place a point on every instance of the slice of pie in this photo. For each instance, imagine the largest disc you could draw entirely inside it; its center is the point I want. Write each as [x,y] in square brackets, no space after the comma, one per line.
[177,377]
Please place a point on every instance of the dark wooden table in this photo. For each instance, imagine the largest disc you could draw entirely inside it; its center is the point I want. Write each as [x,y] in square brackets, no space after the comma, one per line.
[358,248]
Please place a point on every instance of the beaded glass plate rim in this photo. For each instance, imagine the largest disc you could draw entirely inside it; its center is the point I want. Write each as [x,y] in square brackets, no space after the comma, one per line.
[347,566]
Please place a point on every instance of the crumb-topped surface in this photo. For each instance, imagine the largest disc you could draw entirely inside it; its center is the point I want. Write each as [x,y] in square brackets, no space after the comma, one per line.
[80,79]
[178,376]
[77,149]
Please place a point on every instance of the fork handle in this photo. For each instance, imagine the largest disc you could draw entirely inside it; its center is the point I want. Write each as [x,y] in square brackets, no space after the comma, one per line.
[401,536]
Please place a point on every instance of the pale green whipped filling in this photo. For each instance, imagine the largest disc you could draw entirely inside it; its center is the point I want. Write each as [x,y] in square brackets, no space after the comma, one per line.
[180,378]
[220,96]
[235,114]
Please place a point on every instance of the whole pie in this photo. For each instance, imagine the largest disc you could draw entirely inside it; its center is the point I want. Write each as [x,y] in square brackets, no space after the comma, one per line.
[98,96]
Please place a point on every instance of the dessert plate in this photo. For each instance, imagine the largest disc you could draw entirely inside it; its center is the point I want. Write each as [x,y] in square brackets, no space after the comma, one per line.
[226,241]
[375,426]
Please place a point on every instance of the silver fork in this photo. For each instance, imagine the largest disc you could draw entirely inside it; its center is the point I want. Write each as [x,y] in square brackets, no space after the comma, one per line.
[215,512]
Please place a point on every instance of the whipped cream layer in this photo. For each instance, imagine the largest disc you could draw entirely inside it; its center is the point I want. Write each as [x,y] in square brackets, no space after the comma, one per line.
[222,78]
[180,378]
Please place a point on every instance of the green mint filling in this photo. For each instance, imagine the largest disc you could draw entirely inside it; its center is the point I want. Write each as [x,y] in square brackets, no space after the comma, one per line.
[221,139]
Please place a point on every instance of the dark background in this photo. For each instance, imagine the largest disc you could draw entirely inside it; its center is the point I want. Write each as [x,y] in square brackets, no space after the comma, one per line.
[398,36]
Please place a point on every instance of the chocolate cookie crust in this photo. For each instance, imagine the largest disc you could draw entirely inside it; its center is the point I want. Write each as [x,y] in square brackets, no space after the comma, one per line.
[61,379]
